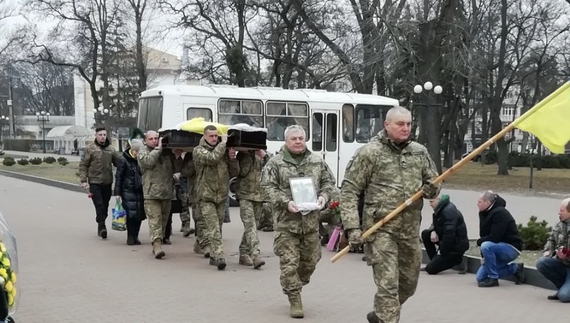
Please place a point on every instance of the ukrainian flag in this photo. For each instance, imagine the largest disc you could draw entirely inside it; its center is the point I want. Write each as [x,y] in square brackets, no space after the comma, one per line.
[549,120]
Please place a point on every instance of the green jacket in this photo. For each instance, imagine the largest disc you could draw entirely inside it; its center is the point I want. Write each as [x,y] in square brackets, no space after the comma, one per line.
[213,172]
[388,174]
[157,167]
[96,166]
[275,185]
[249,177]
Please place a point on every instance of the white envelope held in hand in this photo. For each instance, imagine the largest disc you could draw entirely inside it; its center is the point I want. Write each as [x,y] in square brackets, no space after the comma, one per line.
[307,207]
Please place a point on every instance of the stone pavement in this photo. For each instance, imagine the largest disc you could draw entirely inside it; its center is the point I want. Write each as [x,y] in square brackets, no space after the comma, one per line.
[68,274]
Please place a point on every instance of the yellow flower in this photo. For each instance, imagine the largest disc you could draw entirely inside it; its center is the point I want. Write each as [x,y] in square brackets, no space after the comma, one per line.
[13,277]
[13,293]
[6,262]
[10,300]
[3,273]
[8,286]
[2,247]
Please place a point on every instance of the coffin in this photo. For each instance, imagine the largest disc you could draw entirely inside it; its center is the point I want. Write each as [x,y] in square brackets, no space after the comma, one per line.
[240,137]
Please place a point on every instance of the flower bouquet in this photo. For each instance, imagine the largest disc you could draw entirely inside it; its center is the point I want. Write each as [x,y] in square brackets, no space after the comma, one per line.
[9,298]
[337,231]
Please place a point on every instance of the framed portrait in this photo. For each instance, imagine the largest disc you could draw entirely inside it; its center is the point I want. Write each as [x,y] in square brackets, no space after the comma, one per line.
[303,190]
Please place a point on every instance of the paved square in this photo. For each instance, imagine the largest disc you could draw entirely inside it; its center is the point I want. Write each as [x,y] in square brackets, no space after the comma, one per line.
[68,274]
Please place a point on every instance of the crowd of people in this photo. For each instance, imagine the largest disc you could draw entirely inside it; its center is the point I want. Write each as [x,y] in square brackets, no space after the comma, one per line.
[380,176]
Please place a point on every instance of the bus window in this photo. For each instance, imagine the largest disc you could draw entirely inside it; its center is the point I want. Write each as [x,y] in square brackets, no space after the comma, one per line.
[369,121]
[232,112]
[331,132]
[150,113]
[317,131]
[280,115]
[192,113]
[348,123]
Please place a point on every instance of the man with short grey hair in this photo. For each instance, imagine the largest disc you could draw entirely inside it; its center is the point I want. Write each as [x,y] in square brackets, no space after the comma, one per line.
[297,241]
[500,241]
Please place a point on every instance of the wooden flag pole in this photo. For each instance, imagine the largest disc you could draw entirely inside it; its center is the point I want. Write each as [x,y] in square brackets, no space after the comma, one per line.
[456,167]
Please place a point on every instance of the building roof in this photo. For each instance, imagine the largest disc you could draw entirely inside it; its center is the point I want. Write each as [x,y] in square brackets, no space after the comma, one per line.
[74,131]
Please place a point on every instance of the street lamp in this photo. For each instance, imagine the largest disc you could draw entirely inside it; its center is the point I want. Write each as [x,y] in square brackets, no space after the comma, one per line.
[433,147]
[43,117]
[3,120]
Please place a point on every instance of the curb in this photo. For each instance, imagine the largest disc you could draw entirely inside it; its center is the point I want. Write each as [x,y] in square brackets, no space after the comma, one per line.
[44,181]
[532,276]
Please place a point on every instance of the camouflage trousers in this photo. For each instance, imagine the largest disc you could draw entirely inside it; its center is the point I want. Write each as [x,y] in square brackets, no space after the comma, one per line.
[200,224]
[249,241]
[185,214]
[265,217]
[213,214]
[298,257]
[157,213]
[396,267]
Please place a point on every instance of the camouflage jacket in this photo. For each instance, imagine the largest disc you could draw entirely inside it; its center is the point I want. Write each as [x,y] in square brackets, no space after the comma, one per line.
[213,171]
[275,184]
[157,167]
[388,174]
[559,238]
[189,172]
[249,177]
[96,166]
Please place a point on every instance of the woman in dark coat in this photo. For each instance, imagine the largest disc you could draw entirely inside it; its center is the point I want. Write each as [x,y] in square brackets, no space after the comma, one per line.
[128,190]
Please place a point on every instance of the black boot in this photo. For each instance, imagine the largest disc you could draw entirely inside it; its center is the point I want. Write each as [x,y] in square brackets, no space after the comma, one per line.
[130,240]
[102,230]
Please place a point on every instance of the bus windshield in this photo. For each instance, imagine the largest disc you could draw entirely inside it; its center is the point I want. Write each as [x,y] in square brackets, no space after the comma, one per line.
[150,113]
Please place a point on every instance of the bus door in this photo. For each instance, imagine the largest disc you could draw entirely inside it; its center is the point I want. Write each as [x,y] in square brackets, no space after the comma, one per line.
[324,139]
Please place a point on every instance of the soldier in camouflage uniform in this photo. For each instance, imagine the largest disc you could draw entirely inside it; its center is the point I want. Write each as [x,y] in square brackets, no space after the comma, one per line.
[250,202]
[389,170]
[202,244]
[96,173]
[183,195]
[555,263]
[297,239]
[264,219]
[214,168]
[157,167]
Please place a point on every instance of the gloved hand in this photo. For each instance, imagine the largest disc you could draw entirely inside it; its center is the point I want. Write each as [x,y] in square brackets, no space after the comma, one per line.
[430,190]
[355,238]
[479,242]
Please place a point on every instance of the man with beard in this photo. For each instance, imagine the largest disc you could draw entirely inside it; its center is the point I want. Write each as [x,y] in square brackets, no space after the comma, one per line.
[96,173]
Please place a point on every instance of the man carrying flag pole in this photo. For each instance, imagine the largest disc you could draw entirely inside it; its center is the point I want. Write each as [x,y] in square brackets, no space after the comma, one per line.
[549,121]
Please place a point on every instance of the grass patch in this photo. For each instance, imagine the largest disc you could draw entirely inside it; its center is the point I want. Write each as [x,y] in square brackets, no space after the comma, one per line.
[529,257]
[474,176]
[55,171]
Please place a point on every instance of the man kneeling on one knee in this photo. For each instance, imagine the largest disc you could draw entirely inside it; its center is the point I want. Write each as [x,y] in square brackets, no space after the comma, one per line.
[500,242]
[449,232]
[555,265]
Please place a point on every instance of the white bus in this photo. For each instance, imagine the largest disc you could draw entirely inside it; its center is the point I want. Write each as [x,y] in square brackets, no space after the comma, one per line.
[336,123]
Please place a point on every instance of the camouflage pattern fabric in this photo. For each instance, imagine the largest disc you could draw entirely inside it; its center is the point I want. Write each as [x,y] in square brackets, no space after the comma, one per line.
[265,218]
[249,177]
[157,168]
[559,238]
[298,257]
[189,171]
[249,241]
[200,224]
[157,213]
[213,214]
[185,214]
[389,174]
[297,241]
[96,165]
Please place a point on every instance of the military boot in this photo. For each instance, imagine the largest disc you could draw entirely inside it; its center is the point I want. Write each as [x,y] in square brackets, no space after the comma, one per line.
[245,260]
[296,306]
[220,263]
[258,262]
[206,250]
[373,318]
[198,249]
[157,249]
[188,231]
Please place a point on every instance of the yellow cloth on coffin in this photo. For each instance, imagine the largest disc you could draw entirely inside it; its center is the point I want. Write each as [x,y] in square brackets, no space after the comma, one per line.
[197,125]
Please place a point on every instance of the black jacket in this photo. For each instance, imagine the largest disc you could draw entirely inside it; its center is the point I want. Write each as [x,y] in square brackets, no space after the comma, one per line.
[496,224]
[450,227]
[128,185]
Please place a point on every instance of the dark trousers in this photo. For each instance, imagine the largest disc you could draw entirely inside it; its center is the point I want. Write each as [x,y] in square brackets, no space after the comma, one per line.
[438,263]
[133,227]
[168,229]
[101,196]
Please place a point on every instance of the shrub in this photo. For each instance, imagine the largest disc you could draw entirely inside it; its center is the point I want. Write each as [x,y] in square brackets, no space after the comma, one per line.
[535,234]
[62,161]
[36,161]
[49,160]
[23,162]
[8,161]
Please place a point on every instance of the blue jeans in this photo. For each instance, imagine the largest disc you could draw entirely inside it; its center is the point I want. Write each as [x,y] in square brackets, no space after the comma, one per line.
[558,273]
[497,261]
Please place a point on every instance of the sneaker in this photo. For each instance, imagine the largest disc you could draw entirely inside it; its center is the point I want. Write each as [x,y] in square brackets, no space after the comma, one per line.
[519,274]
[553,297]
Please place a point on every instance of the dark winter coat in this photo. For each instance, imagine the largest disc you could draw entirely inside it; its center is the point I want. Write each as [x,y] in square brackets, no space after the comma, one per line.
[450,227]
[128,185]
[496,224]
